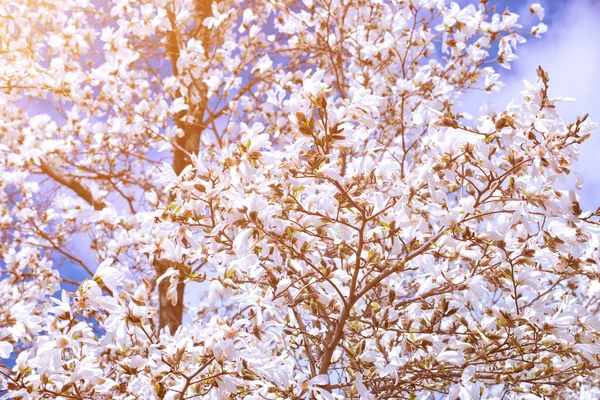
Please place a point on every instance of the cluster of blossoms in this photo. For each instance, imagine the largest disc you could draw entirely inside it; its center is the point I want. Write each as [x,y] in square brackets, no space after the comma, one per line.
[305,167]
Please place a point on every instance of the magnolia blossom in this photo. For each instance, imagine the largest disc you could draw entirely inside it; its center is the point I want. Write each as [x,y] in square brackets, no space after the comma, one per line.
[108,276]
[287,201]
[5,349]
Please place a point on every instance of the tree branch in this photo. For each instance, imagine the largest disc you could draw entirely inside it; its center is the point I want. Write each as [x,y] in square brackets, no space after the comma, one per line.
[72,184]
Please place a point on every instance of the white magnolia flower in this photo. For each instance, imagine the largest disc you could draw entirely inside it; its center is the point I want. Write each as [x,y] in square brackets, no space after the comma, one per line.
[109,276]
[5,349]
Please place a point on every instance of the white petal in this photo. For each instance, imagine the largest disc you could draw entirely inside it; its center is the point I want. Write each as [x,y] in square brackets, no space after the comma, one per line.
[5,349]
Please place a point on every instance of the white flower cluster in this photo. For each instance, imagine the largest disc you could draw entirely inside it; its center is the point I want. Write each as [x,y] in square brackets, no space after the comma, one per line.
[306,168]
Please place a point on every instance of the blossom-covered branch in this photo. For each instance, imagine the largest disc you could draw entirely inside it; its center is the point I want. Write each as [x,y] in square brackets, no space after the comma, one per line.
[287,200]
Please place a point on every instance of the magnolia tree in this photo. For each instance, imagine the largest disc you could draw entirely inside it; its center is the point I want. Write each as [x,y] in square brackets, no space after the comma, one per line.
[306,168]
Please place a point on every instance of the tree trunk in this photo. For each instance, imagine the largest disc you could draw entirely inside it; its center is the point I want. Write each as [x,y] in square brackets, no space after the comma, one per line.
[168,314]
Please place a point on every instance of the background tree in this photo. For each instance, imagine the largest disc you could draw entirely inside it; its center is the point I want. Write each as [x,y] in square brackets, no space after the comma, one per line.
[358,236]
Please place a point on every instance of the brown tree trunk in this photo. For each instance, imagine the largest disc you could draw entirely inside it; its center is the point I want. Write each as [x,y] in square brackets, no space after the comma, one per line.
[168,314]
